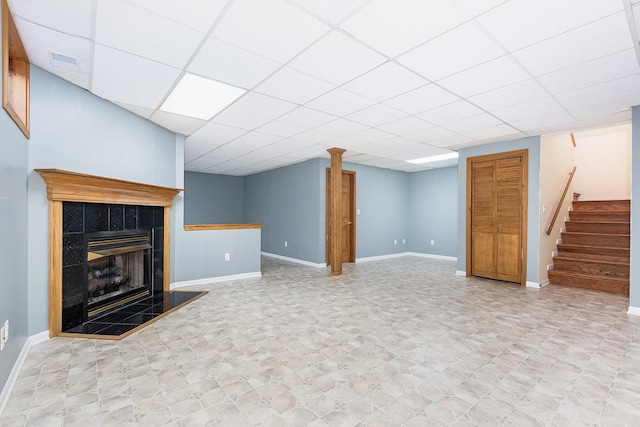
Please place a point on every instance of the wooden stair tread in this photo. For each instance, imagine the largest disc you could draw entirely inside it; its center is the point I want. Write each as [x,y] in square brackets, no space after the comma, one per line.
[589,276]
[591,260]
[589,247]
[594,234]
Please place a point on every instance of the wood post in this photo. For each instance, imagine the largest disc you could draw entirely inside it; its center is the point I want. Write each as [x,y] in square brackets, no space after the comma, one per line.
[335,210]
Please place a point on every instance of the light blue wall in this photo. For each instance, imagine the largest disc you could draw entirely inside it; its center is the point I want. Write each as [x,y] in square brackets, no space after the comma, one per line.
[634,281]
[213,199]
[433,205]
[533,215]
[288,203]
[74,130]
[13,241]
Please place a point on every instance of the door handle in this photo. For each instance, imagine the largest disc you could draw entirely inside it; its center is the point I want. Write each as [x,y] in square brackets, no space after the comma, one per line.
[349,223]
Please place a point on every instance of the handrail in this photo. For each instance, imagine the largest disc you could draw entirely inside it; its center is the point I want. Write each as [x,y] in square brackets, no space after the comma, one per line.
[566,188]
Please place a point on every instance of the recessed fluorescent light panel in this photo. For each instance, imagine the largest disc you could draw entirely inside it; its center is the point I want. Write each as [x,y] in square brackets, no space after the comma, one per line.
[200,97]
[63,61]
[432,159]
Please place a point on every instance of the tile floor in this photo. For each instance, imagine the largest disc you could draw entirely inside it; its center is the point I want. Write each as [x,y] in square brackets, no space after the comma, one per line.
[400,342]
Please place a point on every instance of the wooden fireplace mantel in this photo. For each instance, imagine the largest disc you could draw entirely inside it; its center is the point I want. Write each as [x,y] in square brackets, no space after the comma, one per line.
[66,186]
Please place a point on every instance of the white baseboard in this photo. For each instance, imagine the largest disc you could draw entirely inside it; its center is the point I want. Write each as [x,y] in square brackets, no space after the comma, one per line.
[177,285]
[296,260]
[461,273]
[15,372]
[381,257]
[535,285]
[635,311]
[423,255]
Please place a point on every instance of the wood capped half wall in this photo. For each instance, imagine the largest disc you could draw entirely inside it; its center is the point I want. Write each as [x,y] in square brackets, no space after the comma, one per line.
[66,186]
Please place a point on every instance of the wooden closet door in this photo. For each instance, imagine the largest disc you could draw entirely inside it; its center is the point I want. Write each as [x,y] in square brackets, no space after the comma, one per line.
[497,217]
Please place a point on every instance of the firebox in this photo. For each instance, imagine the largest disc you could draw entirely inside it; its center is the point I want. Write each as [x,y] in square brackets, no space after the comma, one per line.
[118,269]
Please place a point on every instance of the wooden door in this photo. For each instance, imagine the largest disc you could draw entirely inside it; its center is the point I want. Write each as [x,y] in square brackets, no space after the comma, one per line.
[348,217]
[496,218]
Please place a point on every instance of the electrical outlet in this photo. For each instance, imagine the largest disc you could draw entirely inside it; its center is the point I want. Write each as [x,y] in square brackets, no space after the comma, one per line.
[433,242]
[227,257]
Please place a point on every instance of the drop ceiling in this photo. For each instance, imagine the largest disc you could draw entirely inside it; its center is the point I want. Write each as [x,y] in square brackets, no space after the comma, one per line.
[388,80]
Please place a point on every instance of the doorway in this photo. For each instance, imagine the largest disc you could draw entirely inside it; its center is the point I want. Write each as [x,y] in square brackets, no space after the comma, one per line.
[348,217]
[497,216]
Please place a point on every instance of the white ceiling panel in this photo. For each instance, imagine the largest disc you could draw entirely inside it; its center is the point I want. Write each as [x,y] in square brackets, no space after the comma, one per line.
[294,86]
[603,92]
[261,105]
[580,45]
[193,150]
[483,78]
[177,123]
[591,73]
[197,14]
[239,119]
[386,81]
[393,27]
[430,135]
[271,28]
[529,109]
[605,108]
[128,27]
[337,58]
[313,136]
[73,17]
[450,112]
[341,127]
[520,23]
[452,141]
[61,43]
[422,99]
[140,111]
[216,56]
[306,117]
[434,60]
[340,102]
[369,136]
[517,93]
[215,133]
[477,7]
[254,140]
[469,124]
[492,132]
[542,121]
[225,153]
[282,129]
[376,115]
[127,78]
[332,11]
[405,126]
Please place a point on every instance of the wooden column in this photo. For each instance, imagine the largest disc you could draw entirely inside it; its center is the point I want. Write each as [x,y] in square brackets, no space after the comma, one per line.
[335,211]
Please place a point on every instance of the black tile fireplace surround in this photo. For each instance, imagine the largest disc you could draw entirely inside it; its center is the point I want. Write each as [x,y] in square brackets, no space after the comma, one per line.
[107,267]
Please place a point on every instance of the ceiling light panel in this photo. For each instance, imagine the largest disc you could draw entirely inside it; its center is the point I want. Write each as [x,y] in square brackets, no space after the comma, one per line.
[591,73]
[230,64]
[483,78]
[127,78]
[271,28]
[132,29]
[199,97]
[340,102]
[505,22]
[376,115]
[435,61]
[422,99]
[393,27]
[337,58]
[197,14]
[215,133]
[333,11]
[583,44]
[72,17]
[517,93]
[385,82]
[294,86]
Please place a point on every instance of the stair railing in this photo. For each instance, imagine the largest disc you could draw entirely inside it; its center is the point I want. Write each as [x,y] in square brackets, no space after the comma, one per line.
[566,188]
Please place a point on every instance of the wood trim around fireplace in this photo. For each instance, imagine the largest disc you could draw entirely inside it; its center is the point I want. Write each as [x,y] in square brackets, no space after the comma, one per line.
[66,186]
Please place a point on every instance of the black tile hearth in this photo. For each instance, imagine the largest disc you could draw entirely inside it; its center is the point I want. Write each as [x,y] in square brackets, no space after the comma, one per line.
[132,316]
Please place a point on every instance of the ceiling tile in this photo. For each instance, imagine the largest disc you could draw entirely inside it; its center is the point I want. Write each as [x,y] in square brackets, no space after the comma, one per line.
[306,117]
[254,140]
[282,129]
[340,102]
[197,14]
[313,136]
[405,126]
[332,11]
[126,78]
[474,123]
[520,23]
[222,61]
[193,150]
[605,108]
[271,28]
[341,127]
[215,133]
[454,140]
[132,29]
[580,45]
[262,105]
[71,17]
[591,73]
[450,112]
[294,86]
[376,115]
[177,123]
[409,22]
[386,81]
[431,135]
[39,53]
[239,119]
[337,58]
[476,7]
[140,111]
[491,132]
[369,136]
[434,59]
[603,92]
[535,123]
[517,93]
[485,77]
[421,99]
[529,109]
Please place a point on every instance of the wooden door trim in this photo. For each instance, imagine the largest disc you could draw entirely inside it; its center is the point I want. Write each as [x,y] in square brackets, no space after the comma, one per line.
[524,154]
[352,192]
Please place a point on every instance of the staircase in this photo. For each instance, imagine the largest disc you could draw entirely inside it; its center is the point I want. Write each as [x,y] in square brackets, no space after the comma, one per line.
[594,252]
